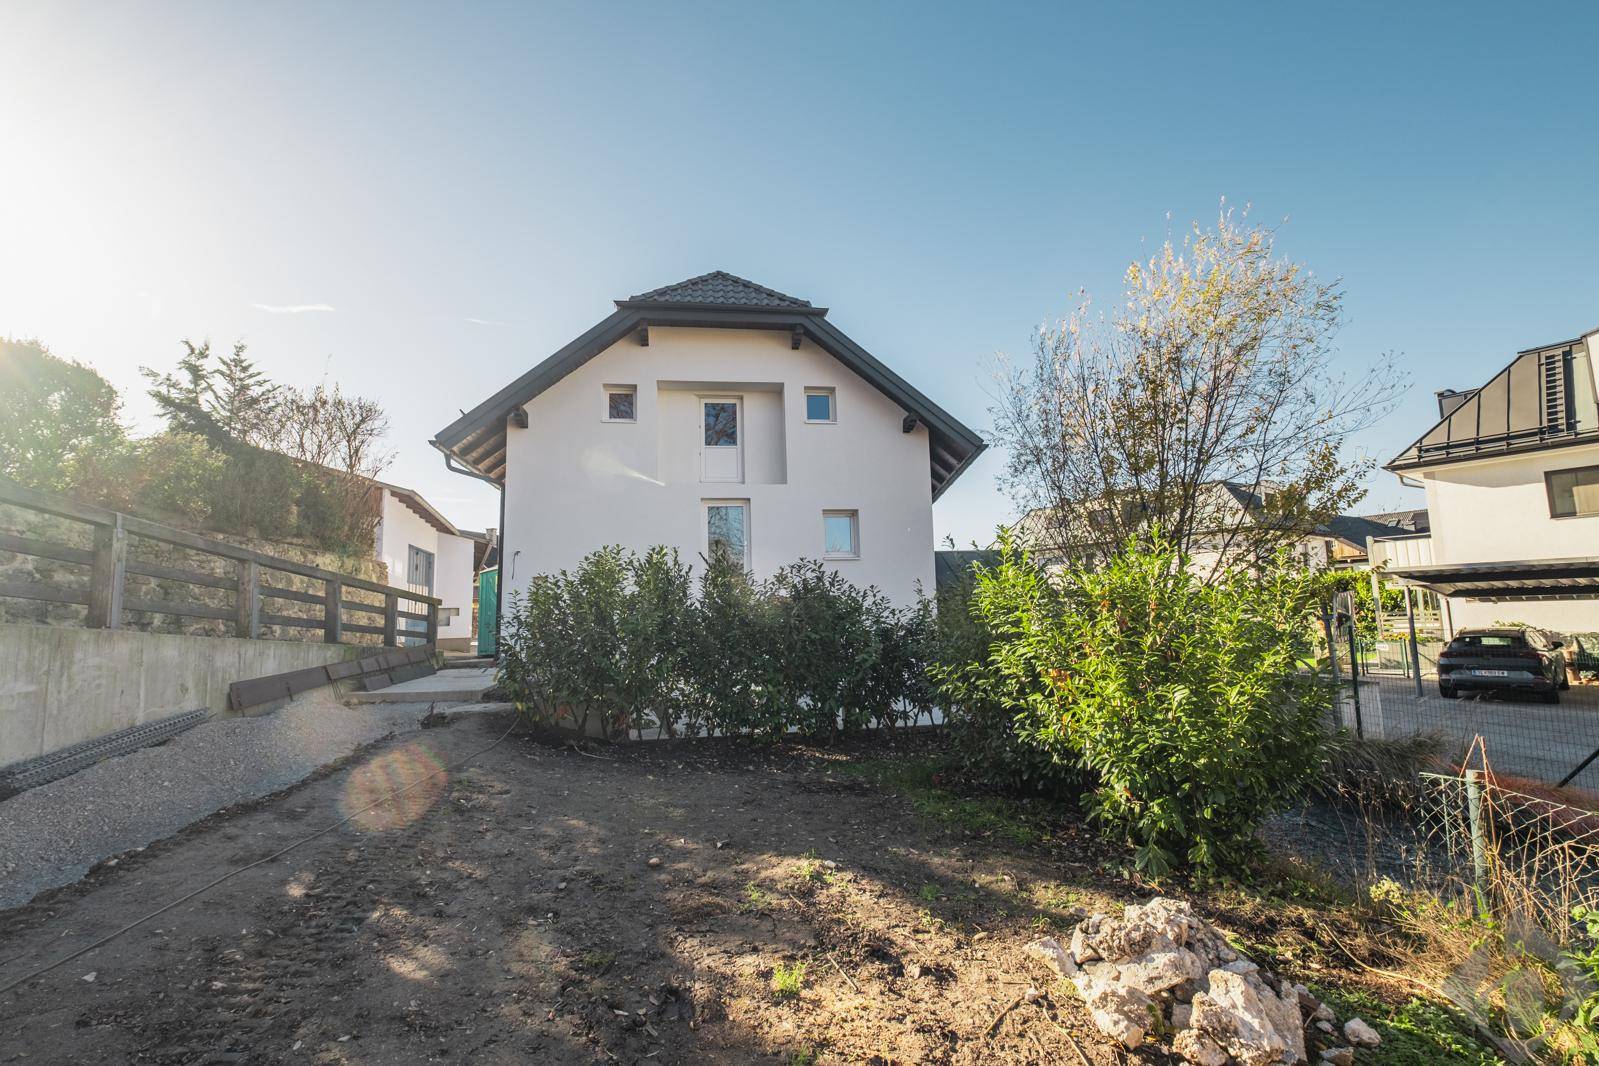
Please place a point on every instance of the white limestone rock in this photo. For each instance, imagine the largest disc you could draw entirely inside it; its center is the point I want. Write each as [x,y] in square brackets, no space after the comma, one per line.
[1195,1047]
[1251,1022]
[1358,1033]
[1122,1013]
[1049,951]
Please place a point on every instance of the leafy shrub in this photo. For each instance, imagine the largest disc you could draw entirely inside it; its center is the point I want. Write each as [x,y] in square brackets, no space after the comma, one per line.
[564,660]
[982,702]
[1184,700]
[823,634]
[732,679]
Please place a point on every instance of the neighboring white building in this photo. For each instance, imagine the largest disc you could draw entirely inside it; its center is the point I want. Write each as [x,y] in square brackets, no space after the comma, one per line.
[1511,472]
[426,553]
[1232,509]
[716,409]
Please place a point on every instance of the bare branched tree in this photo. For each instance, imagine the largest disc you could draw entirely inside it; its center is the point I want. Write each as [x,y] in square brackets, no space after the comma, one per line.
[1206,406]
[321,425]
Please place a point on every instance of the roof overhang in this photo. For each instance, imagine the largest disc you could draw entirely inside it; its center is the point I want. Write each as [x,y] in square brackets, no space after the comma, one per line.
[414,502]
[477,440]
[1541,579]
[1509,450]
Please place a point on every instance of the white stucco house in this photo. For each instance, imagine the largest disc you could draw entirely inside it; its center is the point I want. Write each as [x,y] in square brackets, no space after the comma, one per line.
[716,409]
[1232,511]
[1511,472]
[426,553]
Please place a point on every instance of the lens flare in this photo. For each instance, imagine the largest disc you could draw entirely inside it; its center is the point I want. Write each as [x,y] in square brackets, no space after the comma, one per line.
[384,777]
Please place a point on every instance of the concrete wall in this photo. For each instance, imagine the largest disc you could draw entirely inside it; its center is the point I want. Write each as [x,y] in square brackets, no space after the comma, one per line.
[398,529]
[576,482]
[60,686]
[1497,510]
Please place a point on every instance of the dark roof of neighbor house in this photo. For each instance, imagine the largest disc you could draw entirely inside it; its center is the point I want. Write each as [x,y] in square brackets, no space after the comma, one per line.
[720,289]
[1414,520]
[953,567]
[718,300]
[1355,529]
[1545,398]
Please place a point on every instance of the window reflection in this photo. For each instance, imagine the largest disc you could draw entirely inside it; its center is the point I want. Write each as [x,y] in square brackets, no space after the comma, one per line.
[721,424]
[725,530]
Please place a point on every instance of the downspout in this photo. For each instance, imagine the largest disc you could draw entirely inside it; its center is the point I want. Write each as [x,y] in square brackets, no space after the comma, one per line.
[499,585]
[499,582]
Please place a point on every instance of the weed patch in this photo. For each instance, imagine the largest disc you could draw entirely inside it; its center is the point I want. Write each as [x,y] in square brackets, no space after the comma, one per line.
[756,898]
[788,980]
[1419,1033]
[917,781]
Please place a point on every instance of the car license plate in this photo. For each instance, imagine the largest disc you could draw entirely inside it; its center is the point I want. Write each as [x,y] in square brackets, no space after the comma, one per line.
[1491,673]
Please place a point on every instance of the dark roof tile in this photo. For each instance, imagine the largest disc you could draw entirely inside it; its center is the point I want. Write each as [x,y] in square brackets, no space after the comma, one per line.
[719,289]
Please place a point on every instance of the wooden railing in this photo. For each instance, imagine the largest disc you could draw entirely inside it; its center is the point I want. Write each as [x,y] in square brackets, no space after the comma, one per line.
[109,564]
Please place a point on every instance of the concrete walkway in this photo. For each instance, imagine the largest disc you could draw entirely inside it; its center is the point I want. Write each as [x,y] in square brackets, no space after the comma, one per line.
[454,686]
[52,835]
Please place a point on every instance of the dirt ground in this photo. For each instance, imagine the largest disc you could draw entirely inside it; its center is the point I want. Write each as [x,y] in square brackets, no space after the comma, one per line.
[515,911]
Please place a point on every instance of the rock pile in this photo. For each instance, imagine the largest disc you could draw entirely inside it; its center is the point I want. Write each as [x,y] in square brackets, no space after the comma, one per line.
[1159,967]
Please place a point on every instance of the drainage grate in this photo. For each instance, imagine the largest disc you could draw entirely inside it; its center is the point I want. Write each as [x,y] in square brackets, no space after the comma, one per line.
[19,777]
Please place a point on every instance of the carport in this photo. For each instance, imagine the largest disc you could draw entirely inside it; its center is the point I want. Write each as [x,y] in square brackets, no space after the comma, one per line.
[1501,582]
[1541,579]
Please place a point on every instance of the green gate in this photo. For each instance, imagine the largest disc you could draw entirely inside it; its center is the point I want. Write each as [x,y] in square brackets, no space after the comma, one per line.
[488,611]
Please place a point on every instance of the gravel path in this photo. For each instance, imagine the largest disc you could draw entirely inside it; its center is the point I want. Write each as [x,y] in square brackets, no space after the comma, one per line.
[52,835]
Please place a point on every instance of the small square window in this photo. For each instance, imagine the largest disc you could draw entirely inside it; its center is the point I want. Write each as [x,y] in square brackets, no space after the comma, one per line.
[819,405]
[841,535]
[1573,493]
[621,403]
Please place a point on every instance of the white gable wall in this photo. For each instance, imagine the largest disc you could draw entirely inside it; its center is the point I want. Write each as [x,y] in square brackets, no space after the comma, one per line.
[575,482]
[399,528]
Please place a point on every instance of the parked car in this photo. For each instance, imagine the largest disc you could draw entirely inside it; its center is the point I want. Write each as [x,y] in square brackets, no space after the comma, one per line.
[1502,660]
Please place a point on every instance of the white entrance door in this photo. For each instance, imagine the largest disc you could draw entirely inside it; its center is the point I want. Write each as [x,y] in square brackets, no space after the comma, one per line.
[722,440]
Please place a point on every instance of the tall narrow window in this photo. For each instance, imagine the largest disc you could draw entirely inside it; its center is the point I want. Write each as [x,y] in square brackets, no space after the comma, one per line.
[419,570]
[727,530]
[841,535]
[621,403]
[819,405]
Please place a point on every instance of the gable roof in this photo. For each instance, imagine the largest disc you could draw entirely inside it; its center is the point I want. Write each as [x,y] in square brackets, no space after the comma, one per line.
[474,444]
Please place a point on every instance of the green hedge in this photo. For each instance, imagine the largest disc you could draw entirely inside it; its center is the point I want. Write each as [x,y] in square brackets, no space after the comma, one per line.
[626,641]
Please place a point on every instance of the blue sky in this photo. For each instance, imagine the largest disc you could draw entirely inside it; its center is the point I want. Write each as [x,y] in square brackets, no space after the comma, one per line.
[943,177]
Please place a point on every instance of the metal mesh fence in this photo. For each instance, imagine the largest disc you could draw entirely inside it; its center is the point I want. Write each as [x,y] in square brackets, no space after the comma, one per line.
[1508,852]
[1534,741]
